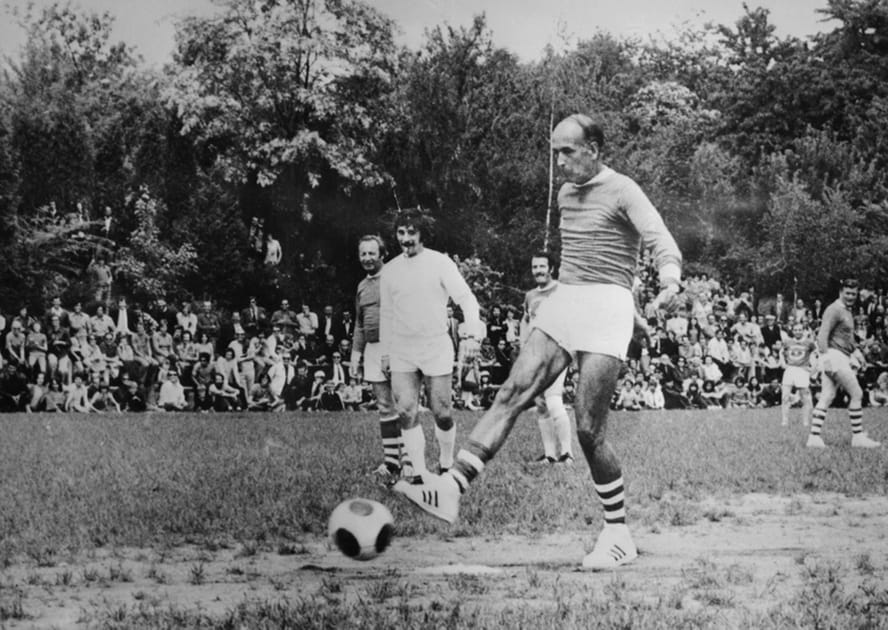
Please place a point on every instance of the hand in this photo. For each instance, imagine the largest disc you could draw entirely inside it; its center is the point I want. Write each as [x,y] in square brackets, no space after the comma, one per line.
[667,300]
[640,330]
[355,368]
[385,365]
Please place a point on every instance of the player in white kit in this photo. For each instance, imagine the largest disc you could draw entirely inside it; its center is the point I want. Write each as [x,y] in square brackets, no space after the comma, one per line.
[416,346]
[552,416]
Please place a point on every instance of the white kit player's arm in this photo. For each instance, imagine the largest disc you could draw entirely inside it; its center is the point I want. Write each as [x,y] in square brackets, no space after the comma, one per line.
[385,313]
[459,292]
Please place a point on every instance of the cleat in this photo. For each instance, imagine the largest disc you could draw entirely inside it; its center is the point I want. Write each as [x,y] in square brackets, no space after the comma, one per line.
[439,496]
[613,549]
[566,458]
[815,441]
[862,440]
[544,459]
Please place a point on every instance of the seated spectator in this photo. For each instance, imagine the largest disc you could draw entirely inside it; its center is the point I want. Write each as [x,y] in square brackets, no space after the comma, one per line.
[209,324]
[37,394]
[205,345]
[162,340]
[741,358]
[37,346]
[738,394]
[771,394]
[78,396]
[100,323]
[626,397]
[653,395]
[694,394]
[352,395]
[223,397]
[58,358]
[317,388]
[77,320]
[16,353]
[298,390]
[104,400]
[755,390]
[187,319]
[713,395]
[262,398]
[13,388]
[878,395]
[336,371]
[306,321]
[132,397]
[172,394]
[331,398]
[202,377]
[186,356]
[55,397]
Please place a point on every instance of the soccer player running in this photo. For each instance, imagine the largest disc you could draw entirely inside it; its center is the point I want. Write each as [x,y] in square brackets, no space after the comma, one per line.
[366,360]
[551,415]
[797,353]
[416,347]
[605,219]
[835,342]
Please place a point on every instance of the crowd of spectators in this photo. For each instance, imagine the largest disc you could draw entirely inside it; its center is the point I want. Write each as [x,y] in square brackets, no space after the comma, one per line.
[723,348]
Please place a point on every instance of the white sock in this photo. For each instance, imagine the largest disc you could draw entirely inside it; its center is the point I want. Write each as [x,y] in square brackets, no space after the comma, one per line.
[446,445]
[561,423]
[414,444]
[547,434]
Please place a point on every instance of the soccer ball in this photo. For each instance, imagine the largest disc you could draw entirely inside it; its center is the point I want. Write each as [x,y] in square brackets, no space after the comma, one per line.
[361,528]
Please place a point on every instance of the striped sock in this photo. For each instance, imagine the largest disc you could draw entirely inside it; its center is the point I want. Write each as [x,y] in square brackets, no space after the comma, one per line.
[856,416]
[390,428]
[817,418]
[470,461]
[612,497]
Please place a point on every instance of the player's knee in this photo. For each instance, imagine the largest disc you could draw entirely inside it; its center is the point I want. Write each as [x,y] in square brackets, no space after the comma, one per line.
[590,435]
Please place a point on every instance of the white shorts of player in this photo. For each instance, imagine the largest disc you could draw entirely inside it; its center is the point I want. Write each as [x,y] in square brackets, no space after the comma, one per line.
[839,362]
[373,363]
[795,376]
[589,318]
[557,388]
[432,357]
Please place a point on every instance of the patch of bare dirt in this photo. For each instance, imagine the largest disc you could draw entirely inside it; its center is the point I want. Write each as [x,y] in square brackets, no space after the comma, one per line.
[751,550]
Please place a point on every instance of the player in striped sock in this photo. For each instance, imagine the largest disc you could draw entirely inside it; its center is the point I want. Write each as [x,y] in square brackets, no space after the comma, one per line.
[838,355]
[366,360]
[605,220]
[417,348]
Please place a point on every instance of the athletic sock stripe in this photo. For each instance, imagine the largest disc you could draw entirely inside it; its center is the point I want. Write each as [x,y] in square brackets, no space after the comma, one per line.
[392,441]
[615,518]
[611,501]
[471,460]
[606,488]
[480,451]
[605,496]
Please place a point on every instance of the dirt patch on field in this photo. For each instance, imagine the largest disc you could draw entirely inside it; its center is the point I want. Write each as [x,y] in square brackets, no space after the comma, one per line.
[746,555]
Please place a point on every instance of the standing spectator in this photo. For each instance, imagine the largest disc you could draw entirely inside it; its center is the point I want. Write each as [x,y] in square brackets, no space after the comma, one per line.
[285,318]
[99,324]
[327,324]
[161,310]
[77,319]
[496,328]
[254,318]
[101,276]
[346,326]
[208,324]
[800,312]
[187,319]
[57,311]
[307,321]
[453,328]
[771,332]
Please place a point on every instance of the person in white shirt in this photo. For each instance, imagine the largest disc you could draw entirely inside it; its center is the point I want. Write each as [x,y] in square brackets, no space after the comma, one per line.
[172,394]
[414,291]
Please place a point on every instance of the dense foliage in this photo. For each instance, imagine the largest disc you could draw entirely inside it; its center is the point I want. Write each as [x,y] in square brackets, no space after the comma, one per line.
[766,155]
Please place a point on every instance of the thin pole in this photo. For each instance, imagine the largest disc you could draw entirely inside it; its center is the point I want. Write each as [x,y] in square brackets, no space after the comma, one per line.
[551,174]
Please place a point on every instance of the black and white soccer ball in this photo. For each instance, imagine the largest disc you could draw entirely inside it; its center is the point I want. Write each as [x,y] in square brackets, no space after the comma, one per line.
[361,529]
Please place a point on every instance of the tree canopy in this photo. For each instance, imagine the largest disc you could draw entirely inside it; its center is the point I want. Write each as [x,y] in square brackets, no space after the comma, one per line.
[303,120]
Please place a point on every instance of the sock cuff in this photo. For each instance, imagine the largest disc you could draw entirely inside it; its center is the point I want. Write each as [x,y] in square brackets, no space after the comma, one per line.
[389,418]
[483,453]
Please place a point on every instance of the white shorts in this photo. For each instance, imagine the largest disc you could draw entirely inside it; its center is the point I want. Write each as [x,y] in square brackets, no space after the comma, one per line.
[373,363]
[795,376]
[839,362]
[589,318]
[432,357]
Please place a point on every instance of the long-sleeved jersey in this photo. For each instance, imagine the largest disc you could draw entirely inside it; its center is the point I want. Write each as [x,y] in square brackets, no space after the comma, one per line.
[413,299]
[604,222]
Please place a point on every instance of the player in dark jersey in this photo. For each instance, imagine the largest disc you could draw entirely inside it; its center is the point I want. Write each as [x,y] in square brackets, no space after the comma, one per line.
[837,347]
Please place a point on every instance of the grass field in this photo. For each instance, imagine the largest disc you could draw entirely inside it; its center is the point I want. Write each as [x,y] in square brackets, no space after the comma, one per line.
[161,520]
